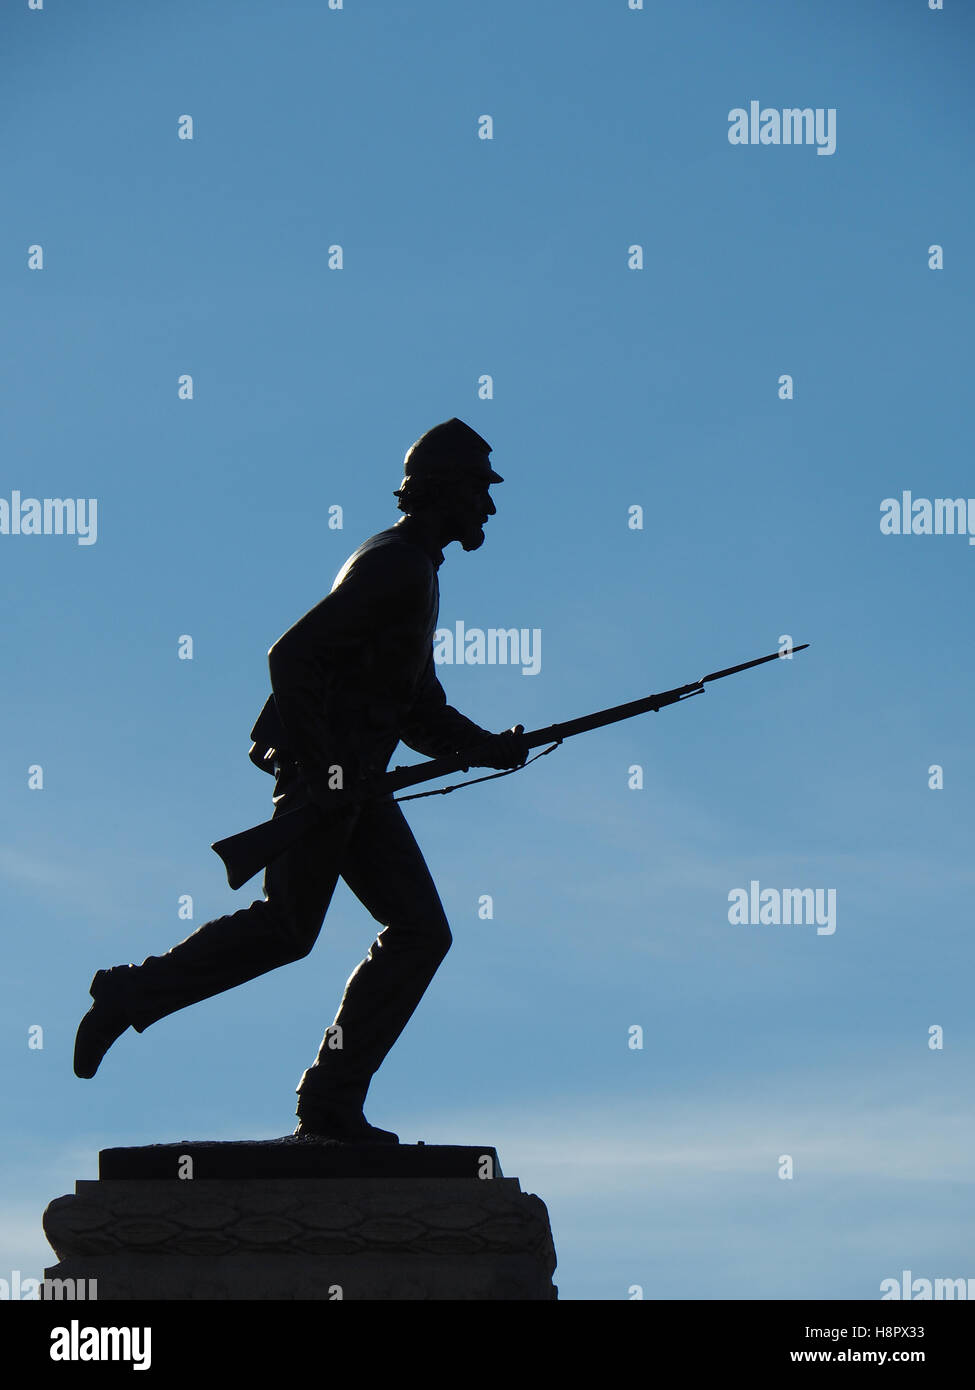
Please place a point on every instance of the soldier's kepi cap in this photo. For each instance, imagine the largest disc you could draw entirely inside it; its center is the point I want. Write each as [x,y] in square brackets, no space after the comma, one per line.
[450,450]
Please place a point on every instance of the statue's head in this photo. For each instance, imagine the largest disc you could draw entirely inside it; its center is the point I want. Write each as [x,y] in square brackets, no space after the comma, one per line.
[447,477]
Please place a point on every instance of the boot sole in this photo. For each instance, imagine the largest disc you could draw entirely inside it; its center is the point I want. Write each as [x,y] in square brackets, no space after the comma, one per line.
[306,1131]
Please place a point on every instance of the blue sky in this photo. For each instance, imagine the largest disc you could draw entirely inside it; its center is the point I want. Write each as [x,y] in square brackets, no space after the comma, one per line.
[612,387]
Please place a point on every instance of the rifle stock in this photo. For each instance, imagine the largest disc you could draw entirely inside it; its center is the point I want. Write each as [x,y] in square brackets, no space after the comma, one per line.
[249,851]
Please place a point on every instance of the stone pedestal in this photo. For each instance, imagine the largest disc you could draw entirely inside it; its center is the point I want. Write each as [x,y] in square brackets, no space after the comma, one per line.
[300,1219]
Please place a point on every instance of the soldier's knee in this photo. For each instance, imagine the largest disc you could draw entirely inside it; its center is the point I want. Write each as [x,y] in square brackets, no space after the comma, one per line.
[296,933]
[442,939]
[299,947]
[427,937]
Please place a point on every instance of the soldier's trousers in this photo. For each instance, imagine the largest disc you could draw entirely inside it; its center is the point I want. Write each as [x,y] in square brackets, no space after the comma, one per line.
[372,848]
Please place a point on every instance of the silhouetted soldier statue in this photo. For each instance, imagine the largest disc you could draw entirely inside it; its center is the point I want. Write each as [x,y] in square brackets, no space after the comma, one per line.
[350,680]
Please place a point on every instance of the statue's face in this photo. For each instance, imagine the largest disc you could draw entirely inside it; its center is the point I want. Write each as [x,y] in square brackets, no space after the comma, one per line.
[467,514]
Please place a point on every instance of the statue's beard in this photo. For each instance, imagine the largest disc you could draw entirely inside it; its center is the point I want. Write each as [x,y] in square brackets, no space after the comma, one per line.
[471,535]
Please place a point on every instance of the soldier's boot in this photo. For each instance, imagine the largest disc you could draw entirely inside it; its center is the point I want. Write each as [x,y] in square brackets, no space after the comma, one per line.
[104,1022]
[338,1116]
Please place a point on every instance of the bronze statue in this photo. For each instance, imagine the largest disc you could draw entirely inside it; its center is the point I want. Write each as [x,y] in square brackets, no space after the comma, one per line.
[350,680]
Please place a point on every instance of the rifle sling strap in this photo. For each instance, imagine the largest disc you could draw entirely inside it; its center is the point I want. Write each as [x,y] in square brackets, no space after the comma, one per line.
[442,791]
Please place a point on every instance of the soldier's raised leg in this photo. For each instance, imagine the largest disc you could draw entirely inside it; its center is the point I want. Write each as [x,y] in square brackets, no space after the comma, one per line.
[223,953]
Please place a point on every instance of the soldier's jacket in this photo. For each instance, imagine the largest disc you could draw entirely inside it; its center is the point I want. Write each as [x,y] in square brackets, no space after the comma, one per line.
[356,674]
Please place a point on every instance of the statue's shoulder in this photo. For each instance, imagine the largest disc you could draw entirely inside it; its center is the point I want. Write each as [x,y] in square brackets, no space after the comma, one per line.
[392,554]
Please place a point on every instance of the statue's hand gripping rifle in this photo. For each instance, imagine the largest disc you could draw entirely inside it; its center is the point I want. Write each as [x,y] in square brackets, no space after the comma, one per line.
[246,853]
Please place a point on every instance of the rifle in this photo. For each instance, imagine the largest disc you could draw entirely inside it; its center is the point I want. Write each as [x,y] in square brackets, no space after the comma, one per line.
[249,851]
